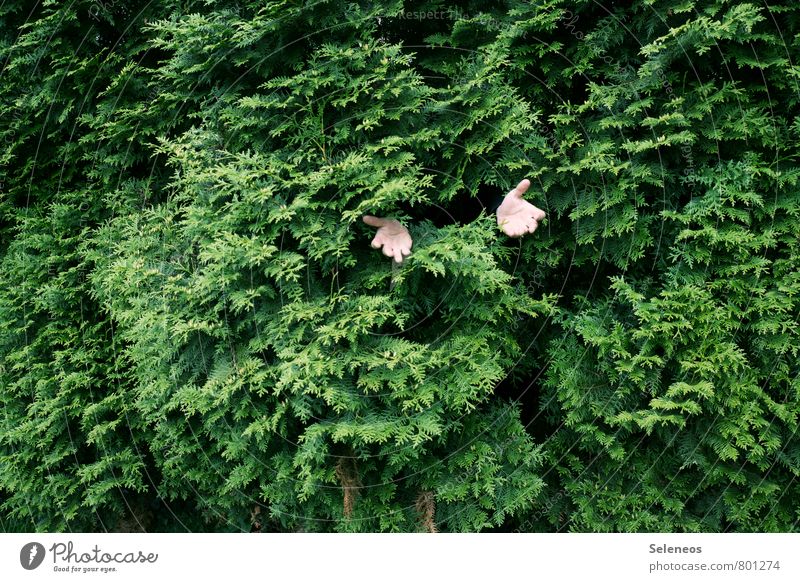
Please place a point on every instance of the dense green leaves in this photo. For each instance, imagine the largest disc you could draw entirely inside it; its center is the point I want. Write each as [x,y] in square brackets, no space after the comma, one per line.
[195,334]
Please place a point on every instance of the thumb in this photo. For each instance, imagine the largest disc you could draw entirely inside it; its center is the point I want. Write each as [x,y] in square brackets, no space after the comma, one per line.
[374,221]
[521,188]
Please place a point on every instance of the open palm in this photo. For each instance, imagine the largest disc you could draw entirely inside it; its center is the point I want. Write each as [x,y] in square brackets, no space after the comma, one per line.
[515,215]
[392,236]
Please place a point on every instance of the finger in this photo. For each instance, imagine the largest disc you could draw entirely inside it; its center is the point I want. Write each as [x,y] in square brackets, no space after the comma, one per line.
[532,226]
[406,251]
[376,242]
[538,214]
[373,220]
[398,255]
[521,188]
[388,250]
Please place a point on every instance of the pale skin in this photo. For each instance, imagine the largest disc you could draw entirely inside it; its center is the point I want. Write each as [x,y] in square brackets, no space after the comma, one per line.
[515,217]
[392,236]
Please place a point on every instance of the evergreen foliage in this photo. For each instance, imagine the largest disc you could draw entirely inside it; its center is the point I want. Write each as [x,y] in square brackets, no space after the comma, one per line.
[195,334]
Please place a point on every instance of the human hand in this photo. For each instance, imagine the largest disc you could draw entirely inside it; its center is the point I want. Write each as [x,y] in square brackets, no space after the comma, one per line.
[392,236]
[517,216]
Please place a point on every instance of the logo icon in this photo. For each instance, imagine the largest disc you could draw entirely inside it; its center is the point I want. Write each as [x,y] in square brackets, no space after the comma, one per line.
[31,555]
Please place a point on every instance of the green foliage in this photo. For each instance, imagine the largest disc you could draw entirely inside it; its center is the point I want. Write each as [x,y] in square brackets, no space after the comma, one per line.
[195,334]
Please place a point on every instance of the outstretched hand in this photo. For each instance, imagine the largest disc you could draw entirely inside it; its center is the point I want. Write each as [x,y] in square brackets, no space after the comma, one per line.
[517,216]
[392,236]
